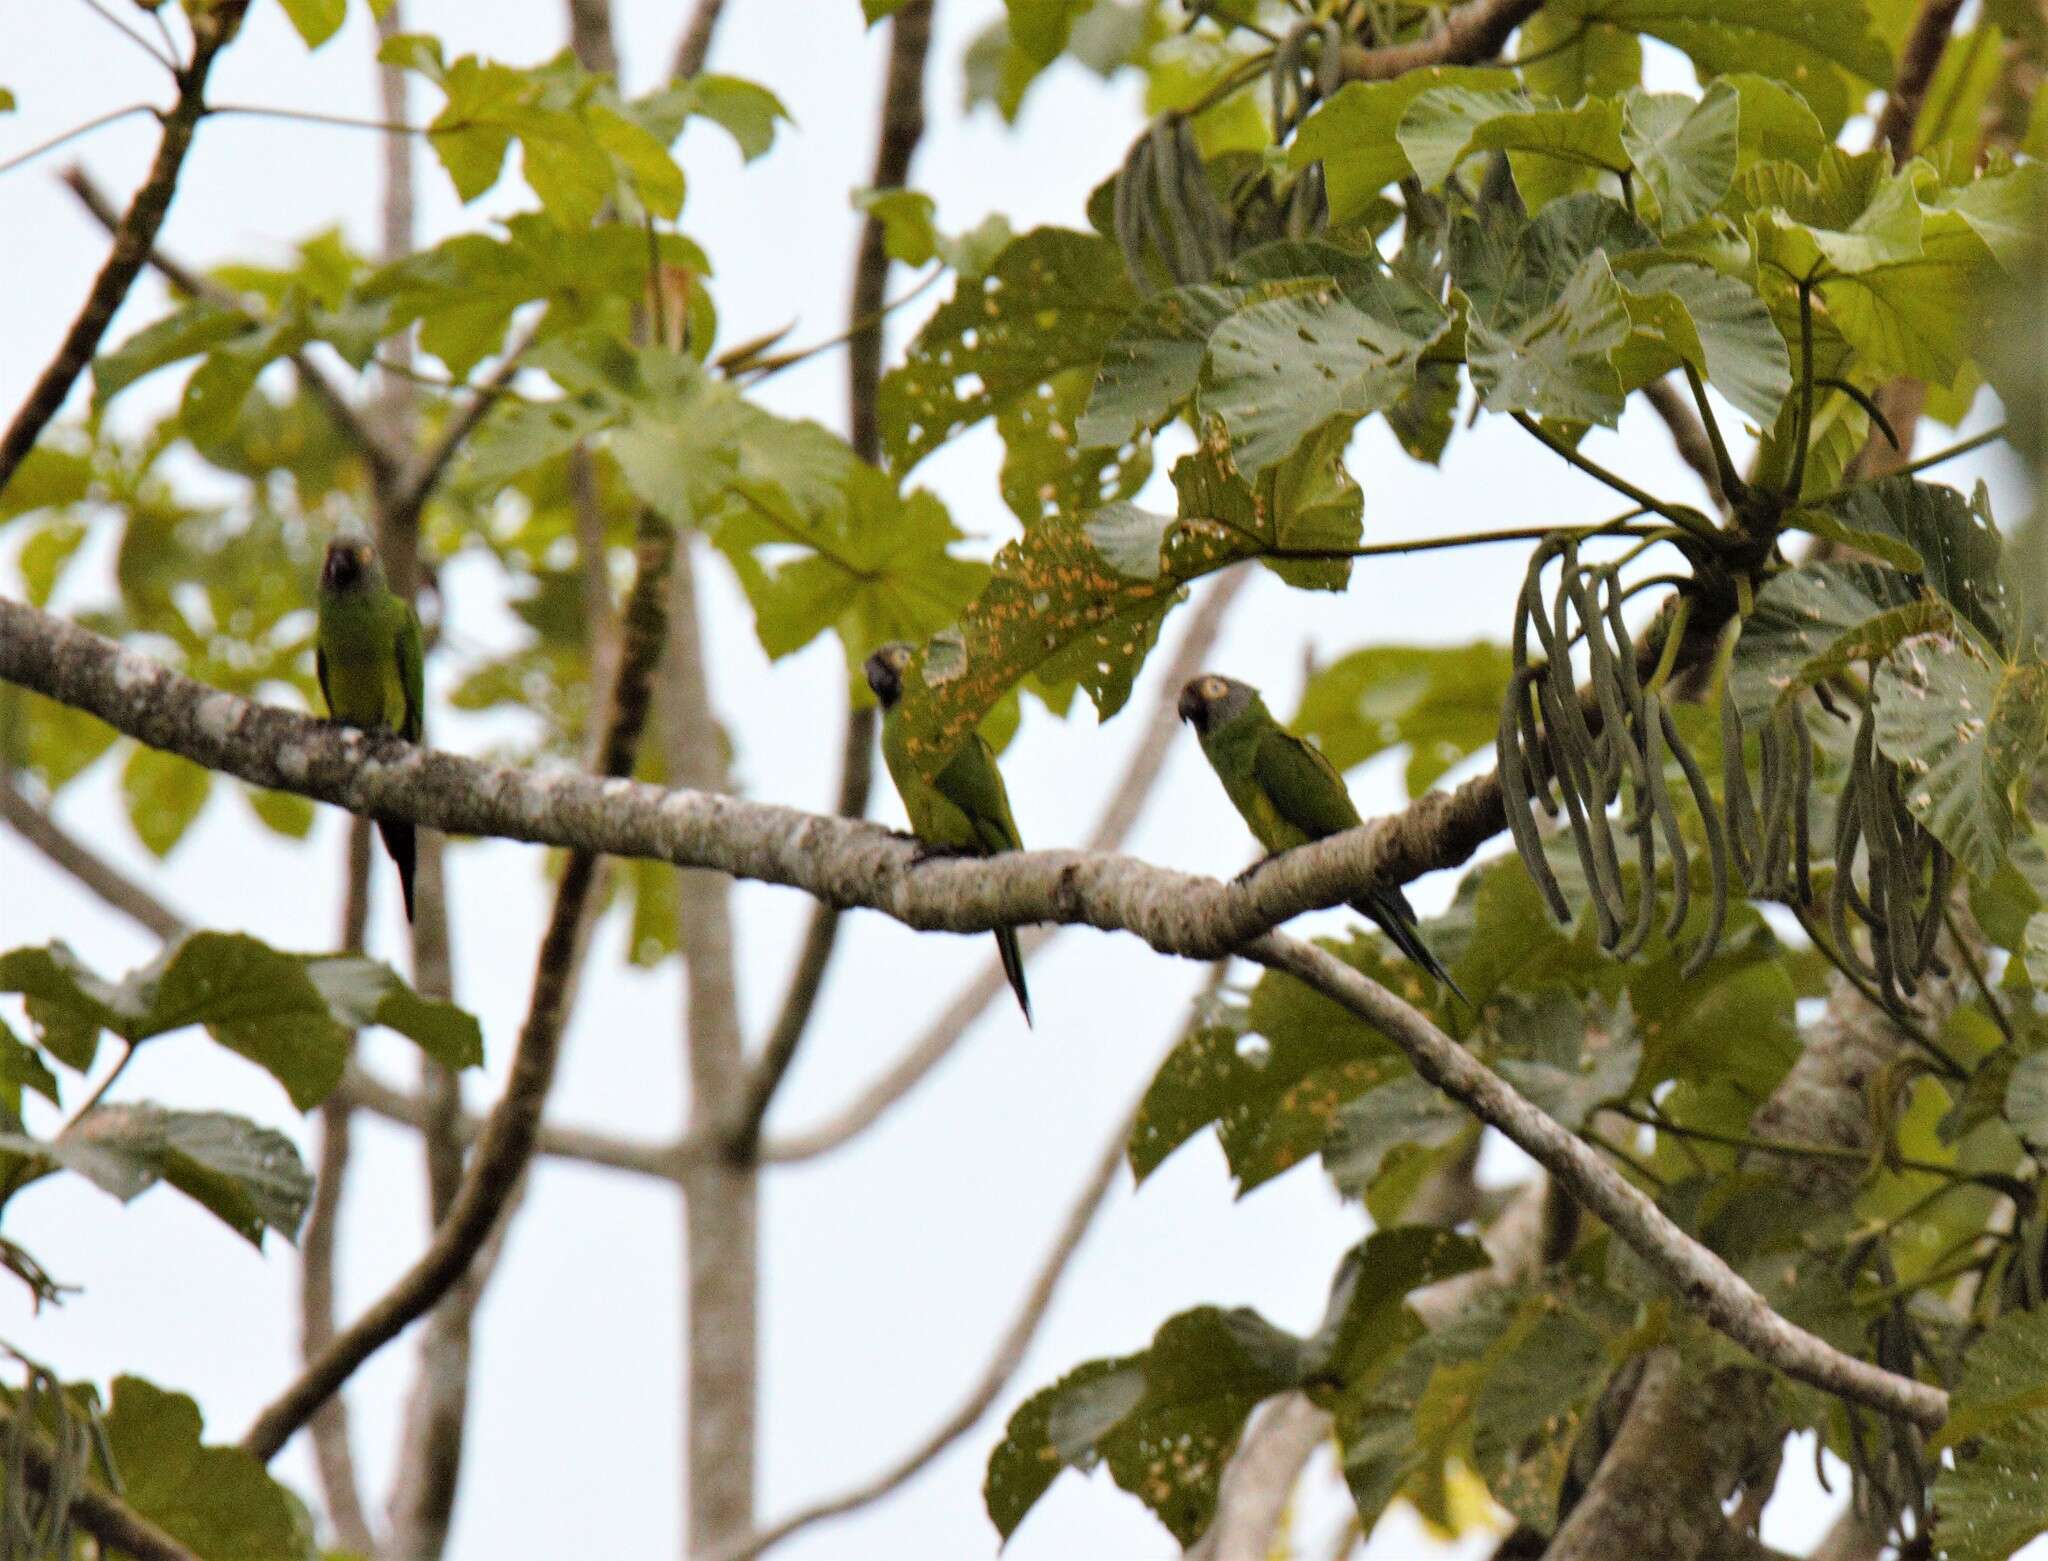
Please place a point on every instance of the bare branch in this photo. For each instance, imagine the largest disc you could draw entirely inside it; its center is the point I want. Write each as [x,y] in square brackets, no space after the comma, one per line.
[1258,1485]
[1688,434]
[507,1144]
[334,401]
[213,30]
[695,47]
[117,1526]
[1918,58]
[333,1454]
[1475,31]
[721,1195]
[93,871]
[1008,1356]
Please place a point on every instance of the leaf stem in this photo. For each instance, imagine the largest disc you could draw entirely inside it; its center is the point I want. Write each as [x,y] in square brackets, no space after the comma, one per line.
[1976,968]
[1906,1026]
[92,1101]
[1686,520]
[1805,438]
[73,134]
[1732,485]
[1963,447]
[166,61]
[1653,1118]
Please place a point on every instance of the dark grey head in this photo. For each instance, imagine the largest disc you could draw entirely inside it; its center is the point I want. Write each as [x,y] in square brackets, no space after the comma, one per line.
[1211,700]
[885,671]
[350,565]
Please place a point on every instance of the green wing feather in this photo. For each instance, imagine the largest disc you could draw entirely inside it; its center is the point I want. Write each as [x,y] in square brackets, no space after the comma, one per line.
[973,784]
[1303,786]
[412,676]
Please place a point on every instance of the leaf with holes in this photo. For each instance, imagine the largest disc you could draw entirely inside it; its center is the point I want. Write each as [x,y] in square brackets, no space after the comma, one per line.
[1928,530]
[248,1177]
[1052,302]
[1280,370]
[1815,621]
[1966,729]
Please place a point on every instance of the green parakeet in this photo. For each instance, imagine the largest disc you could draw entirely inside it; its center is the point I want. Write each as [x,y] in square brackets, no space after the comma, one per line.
[964,809]
[368,658]
[1289,793]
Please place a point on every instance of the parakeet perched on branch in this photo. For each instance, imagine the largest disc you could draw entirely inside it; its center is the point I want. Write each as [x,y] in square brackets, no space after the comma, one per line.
[368,657]
[1289,793]
[965,808]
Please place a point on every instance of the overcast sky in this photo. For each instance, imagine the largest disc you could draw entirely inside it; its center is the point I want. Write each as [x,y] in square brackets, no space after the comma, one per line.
[892,1266]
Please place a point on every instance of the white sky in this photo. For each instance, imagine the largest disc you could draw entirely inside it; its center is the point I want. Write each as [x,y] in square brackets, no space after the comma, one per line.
[891,1267]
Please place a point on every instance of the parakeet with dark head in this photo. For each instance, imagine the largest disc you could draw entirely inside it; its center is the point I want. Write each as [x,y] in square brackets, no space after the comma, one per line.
[964,808]
[368,657]
[1289,793]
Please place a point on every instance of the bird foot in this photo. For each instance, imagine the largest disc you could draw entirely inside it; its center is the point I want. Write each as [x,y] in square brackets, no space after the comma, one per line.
[927,852]
[1251,872]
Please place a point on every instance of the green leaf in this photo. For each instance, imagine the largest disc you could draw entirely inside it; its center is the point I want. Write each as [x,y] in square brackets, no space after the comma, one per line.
[164,793]
[1812,622]
[1282,369]
[1441,702]
[1722,327]
[1306,504]
[1269,1075]
[1051,303]
[1775,124]
[1556,363]
[1685,149]
[908,233]
[1371,1128]
[1165,1420]
[22,1067]
[191,329]
[361,992]
[1363,1321]
[316,20]
[1967,729]
[1719,34]
[1047,471]
[249,1177]
[1990,1504]
[1154,362]
[745,110]
[1353,134]
[283,812]
[1595,1065]
[1530,1404]
[47,478]
[2003,209]
[219,1501]
[1566,59]
[1446,125]
[2005,1373]
[1930,531]
[1066,604]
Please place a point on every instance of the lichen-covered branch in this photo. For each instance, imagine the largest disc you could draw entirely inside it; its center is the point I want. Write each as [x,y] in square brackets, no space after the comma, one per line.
[213,29]
[852,863]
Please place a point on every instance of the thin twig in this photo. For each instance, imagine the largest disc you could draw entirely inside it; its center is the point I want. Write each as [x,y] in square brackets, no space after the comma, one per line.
[42,148]
[507,1144]
[334,401]
[1003,1364]
[94,872]
[132,240]
[695,47]
[134,37]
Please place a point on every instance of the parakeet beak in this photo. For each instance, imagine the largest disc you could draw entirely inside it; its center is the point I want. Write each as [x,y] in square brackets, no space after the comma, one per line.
[345,564]
[883,678]
[1193,706]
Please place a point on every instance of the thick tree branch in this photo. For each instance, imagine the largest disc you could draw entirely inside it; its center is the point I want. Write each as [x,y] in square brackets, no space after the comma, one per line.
[93,871]
[118,1527]
[502,1154]
[1474,31]
[1258,1485]
[381,463]
[1918,58]
[860,864]
[1002,1366]
[213,30]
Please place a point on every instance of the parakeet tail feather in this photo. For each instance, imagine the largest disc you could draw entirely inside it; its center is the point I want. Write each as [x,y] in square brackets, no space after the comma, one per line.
[1013,967]
[1396,918]
[398,840]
